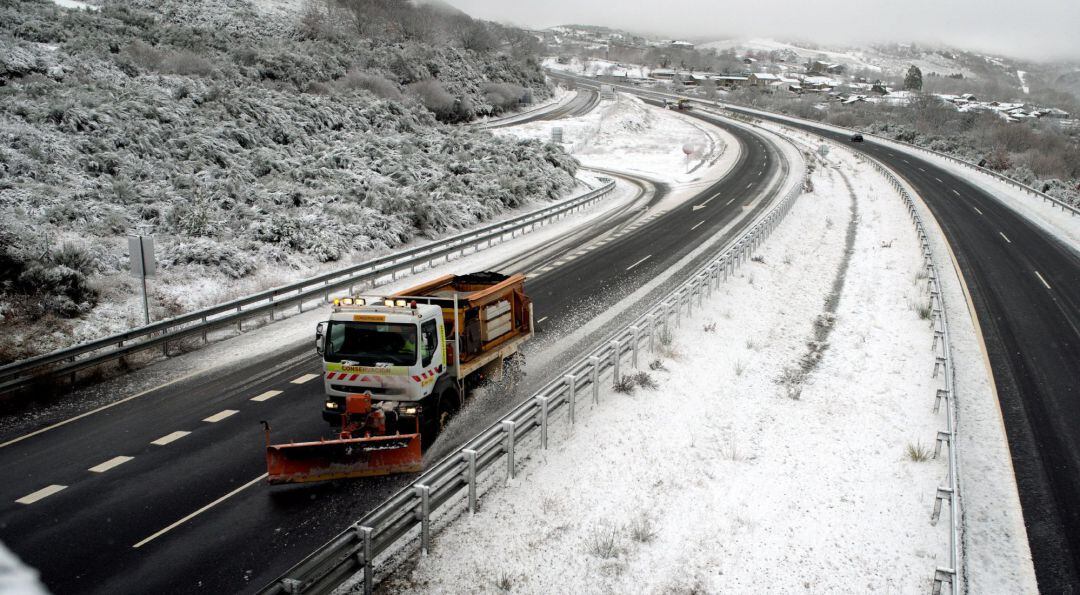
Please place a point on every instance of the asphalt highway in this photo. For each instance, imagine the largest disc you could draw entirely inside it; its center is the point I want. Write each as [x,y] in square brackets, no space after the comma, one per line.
[165,493]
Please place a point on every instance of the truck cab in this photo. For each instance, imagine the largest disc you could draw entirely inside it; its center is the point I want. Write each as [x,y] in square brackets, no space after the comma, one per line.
[394,351]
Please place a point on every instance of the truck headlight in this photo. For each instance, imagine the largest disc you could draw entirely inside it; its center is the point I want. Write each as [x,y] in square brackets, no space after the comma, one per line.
[331,405]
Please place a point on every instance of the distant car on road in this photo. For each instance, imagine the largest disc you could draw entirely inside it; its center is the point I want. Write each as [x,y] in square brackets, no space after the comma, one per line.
[856,138]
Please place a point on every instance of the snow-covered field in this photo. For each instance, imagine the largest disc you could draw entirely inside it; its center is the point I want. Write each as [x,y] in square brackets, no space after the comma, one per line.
[629,136]
[773,454]
[869,57]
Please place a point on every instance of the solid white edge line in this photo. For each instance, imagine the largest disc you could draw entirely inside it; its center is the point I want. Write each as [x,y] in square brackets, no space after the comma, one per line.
[200,511]
[639,262]
[1005,237]
[113,462]
[44,492]
[170,438]
[266,395]
[1042,279]
[213,419]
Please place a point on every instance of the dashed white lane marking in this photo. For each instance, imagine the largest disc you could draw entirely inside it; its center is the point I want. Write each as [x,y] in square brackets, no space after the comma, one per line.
[1041,279]
[168,438]
[639,262]
[304,378]
[696,226]
[955,192]
[1005,237]
[729,202]
[922,170]
[977,210]
[98,410]
[939,180]
[905,161]
[220,416]
[38,495]
[270,394]
[113,462]
[541,320]
[200,511]
[749,185]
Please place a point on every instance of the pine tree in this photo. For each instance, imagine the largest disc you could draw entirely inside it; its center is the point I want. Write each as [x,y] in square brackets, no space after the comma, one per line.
[913,80]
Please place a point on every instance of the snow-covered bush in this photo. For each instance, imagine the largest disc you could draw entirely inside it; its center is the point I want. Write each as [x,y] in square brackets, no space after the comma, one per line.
[209,253]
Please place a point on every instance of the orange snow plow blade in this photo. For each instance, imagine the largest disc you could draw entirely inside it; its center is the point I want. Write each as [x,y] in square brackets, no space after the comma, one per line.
[345,456]
[341,458]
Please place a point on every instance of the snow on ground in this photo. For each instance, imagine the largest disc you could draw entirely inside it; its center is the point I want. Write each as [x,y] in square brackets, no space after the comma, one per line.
[718,480]
[997,555]
[868,57]
[16,578]
[560,97]
[1020,74]
[75,4]
[626,131]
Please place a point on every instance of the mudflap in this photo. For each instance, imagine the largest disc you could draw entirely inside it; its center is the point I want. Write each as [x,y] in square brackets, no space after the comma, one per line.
[337,459]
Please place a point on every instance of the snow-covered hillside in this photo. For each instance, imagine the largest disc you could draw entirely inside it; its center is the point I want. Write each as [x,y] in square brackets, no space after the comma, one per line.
[256,150]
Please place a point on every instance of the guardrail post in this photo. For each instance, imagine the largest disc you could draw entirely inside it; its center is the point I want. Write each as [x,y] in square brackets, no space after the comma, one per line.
[470,477]
[939,362]
[616,356]
[544,404]
[364,535]
[941,394]
[509,428]
[943,493]
[571,395]
[595,361]
[942,436]
[634,350]
[424,515]
[652,333]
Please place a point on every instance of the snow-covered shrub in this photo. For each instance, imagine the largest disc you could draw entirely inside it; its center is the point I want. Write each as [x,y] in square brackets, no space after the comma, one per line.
[209,253]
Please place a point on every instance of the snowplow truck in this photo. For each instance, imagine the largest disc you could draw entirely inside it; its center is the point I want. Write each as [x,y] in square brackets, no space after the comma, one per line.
[397,367]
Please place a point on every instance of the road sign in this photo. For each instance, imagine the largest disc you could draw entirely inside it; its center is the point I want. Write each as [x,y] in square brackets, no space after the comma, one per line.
[141,250]
[823,150]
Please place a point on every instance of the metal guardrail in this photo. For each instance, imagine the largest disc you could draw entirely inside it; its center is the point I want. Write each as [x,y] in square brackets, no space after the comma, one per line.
[408,516]
[953,574]
[67,362]
[1065,207]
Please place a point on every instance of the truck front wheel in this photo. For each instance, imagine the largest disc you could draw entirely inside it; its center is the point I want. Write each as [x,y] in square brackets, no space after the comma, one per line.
[448,404]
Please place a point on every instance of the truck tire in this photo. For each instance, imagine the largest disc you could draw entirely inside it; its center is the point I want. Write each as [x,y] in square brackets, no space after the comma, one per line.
[446,405]
[514,370]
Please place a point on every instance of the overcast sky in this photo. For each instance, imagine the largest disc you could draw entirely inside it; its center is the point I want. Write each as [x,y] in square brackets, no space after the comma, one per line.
[1026,29]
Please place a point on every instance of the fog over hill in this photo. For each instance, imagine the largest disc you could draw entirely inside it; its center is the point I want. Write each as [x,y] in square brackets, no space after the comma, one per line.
[1039,29]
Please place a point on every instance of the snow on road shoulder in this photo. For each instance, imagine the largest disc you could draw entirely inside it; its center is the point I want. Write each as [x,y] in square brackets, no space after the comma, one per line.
[771,456]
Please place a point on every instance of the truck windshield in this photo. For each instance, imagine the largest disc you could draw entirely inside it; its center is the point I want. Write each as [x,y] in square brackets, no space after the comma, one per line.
[371,343]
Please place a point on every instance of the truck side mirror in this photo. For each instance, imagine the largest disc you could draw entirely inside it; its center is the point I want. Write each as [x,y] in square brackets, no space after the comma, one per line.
[320,332]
